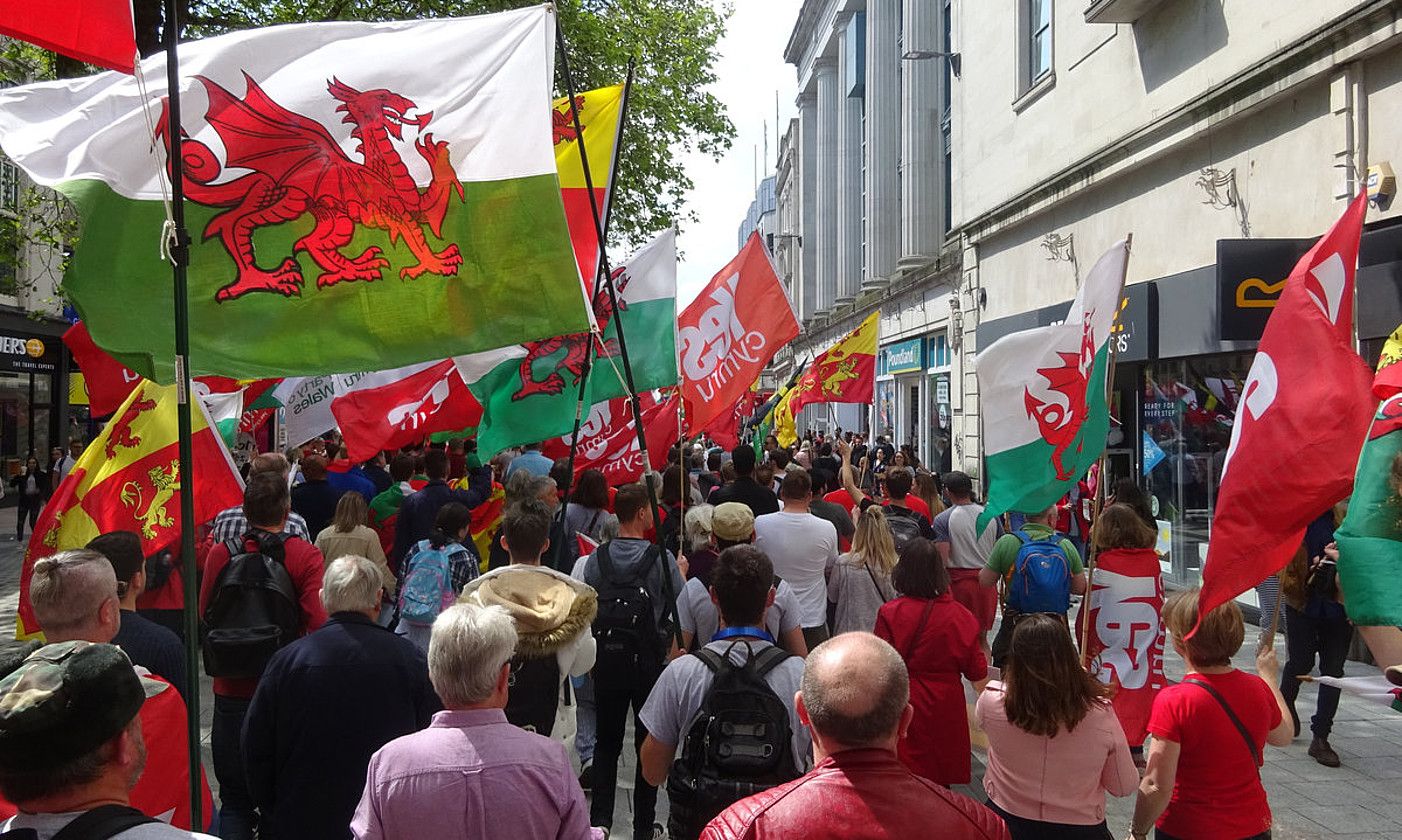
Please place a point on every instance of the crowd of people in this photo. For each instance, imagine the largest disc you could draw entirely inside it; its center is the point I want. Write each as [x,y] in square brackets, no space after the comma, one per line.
[426,645]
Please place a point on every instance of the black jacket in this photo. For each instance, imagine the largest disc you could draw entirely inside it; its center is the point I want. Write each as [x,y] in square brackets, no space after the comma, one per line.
[325,704]
[315,501]
[746,490]
[421,508]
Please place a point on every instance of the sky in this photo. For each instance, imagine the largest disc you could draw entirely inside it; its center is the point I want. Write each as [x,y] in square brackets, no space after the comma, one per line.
[750,70]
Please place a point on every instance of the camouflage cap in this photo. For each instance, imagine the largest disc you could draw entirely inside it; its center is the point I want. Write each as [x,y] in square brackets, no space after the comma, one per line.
[63,702]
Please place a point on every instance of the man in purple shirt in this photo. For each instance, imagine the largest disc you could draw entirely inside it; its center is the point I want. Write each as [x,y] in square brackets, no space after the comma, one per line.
[472,774]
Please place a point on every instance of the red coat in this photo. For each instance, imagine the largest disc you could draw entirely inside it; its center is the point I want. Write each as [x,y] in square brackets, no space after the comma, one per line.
[857,795]
[937,746]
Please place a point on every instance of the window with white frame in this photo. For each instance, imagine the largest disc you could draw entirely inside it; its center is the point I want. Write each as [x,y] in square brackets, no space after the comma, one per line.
[1038,48]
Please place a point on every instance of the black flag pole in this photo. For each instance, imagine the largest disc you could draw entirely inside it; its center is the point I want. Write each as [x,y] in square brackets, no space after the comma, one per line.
[179,248]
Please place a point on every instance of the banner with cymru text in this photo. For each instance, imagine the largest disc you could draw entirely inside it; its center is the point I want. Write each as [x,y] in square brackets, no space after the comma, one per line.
[608,438]
[1126,639]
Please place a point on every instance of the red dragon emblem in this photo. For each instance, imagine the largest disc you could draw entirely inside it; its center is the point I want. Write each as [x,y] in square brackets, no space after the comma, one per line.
[562,122]
[121,436]
[575,346]
[1058,424]
[291,166]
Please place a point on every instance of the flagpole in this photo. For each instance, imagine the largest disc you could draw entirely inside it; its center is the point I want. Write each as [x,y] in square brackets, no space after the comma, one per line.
[179,248]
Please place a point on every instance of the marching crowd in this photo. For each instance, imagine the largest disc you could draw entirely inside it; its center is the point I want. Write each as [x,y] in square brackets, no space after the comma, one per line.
[396,651]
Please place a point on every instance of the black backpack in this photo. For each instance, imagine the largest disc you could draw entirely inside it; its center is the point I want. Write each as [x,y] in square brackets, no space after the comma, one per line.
[534,693]
[738,744]
[631,647]
[100,823]
[255,610]
[904,525]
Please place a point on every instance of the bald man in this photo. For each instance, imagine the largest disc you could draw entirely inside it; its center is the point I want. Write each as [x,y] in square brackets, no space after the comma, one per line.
[855,699]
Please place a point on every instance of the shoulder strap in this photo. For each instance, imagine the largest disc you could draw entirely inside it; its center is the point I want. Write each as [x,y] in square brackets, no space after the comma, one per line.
[589,529]
[884,599]
[103,822]
[767,659]
[919,628]
[1231,715]
[712,660]
[1022,536]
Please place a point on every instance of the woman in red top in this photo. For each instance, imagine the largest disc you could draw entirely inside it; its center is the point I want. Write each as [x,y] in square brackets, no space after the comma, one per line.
[1209,732]
[939,640]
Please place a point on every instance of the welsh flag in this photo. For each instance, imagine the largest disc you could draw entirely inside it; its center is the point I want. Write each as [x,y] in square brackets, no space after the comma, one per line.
[1370,538]
[1043,389]
[361,196]
[435,399]
[128,479]
[843,373]
[608,438]
[529,393]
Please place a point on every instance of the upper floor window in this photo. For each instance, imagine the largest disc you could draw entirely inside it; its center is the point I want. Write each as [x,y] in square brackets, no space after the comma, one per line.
[1039,41]
[9,185]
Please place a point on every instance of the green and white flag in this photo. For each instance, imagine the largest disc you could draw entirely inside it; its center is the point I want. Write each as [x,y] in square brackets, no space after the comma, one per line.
[361,196]
[528,392]
[1043,392]
[224,410]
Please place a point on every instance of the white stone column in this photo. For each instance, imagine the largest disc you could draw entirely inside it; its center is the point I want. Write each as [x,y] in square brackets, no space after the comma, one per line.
[829,114]
[920,135]
[883,142]
[849,170]
[807,297]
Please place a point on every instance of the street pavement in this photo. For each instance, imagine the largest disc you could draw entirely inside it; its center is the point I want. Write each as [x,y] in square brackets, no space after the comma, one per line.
[1361,800]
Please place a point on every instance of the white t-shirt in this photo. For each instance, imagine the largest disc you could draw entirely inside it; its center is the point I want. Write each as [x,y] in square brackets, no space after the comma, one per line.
[47,825]
[802,548]
[698,614]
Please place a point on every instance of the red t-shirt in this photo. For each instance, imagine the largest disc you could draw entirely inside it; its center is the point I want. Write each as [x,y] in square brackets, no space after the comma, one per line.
[1217,793]
[304,564]
[841,497]
[917,504]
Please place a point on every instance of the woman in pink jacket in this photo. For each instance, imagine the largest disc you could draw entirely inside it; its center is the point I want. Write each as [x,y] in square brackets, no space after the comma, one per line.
[1055,746]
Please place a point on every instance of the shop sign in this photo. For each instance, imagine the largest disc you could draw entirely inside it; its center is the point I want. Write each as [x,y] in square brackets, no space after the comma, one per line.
[27,354]
[1251,274]
[903,356]
[1135,331]
[1156,411]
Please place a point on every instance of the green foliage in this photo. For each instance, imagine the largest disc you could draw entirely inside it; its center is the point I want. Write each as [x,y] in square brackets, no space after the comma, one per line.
[670,110]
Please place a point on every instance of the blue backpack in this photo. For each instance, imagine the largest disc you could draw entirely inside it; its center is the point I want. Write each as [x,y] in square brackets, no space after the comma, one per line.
[428,585]
[1041,579]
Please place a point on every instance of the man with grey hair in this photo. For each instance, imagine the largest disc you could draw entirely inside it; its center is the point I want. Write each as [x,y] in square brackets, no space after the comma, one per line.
[74,597]
[855,699]
[326,703]
[472,774]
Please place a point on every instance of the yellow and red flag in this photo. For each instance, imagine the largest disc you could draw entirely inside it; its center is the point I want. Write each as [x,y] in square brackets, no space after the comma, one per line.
[600,112]
[128,479]
[843,373]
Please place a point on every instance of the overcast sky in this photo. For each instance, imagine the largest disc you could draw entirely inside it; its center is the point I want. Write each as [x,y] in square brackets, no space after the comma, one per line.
[749,71]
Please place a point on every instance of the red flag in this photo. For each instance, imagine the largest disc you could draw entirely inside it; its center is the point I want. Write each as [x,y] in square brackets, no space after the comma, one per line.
[731,331]
[1125,645]
[608,438]
[725,428]
[1307,400]
[587,545]
[434,399]
[99,32]
[109,382]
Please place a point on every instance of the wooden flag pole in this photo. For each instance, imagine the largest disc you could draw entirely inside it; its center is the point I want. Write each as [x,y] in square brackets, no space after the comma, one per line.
[179,249]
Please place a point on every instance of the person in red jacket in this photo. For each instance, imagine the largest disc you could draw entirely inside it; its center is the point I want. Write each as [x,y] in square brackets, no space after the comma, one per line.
[855,699]
[266,503]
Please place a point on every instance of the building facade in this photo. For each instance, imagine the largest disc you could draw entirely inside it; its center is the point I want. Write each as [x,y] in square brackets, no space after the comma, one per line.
[1225,137]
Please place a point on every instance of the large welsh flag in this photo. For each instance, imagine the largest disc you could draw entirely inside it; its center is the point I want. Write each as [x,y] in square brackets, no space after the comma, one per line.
[361,196]
[529,393]
[1044,403]
[128,479]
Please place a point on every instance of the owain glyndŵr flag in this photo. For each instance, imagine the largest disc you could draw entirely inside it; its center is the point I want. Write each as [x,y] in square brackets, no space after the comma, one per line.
[600,112]
[128,479]
[361,196]
[843,373]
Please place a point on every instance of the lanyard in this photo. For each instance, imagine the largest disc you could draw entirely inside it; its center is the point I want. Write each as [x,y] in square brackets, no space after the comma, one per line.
[732,632]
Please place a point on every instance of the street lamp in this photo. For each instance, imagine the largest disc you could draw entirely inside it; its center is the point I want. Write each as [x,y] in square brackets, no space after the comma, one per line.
[922,55]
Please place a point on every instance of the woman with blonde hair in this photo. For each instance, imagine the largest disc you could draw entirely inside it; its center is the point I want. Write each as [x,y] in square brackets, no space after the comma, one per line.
[350,534]
[861,580]
[927,488]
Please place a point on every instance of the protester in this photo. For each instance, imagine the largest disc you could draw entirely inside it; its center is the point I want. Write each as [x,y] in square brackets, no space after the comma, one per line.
[802,548]
[231,524]
[316,497]
[674,489]
[710,479]
[928,491]
[349,534]
[587,511]
[839,515]
[72,747]
[524,486]
[637,584]
[740,677]
[1043,570]
[326,703]
[298,602]
[1315,626]
[1209,731]
[149,645]
[434,574]
[854,700]
[74,597]
[965,550]
[345,476]
[904,514]
[745,489]
[732,524]
[700,550]
[552,611]
[384,508]
[531,461]
[1055,746]
[419,512]
[31,492]
[471,775]
[861,581]
[938,639]
[377,471]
